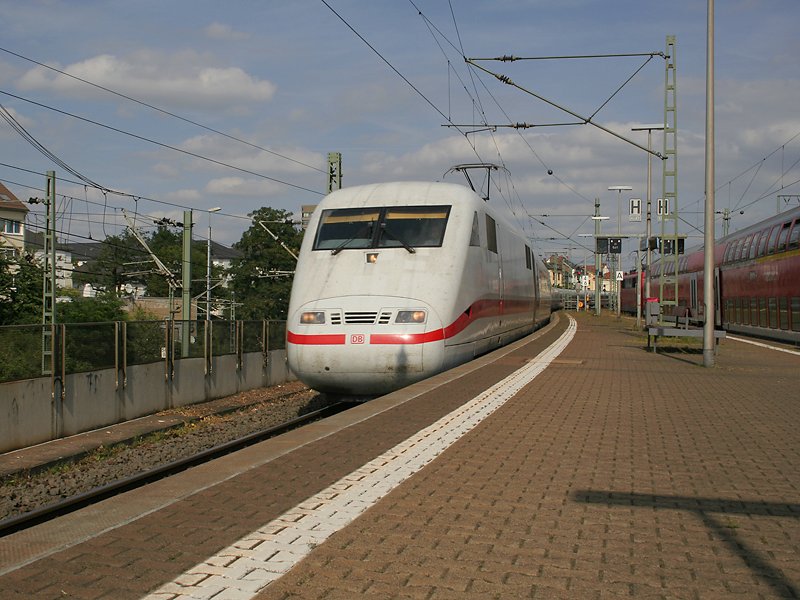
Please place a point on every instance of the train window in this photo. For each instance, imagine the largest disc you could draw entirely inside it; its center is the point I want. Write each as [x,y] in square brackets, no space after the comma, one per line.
[783,312]
[754,312]
[388,227]
[794,312]
[773,313]
[745,314]
[413,226]
[762,312]
[491,234]
[727,255]
[528,262]
[762,244]
[754,245]
[794,236]
[743,250]
[772,237]
[783,236]
[346,228]
[475,236]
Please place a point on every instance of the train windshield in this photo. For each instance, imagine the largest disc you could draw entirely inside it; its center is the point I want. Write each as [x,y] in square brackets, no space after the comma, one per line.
[406,227]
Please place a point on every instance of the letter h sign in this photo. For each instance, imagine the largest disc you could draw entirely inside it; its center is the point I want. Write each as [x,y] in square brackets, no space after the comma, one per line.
[635,210]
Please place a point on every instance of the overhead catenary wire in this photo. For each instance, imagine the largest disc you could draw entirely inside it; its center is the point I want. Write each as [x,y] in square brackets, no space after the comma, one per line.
[161,110]
[160,144]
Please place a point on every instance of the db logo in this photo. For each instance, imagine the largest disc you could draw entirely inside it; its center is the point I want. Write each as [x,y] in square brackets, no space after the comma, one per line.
[357,338]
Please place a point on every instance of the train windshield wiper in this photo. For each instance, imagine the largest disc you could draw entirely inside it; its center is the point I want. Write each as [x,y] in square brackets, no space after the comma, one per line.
[361,233]
[388,233]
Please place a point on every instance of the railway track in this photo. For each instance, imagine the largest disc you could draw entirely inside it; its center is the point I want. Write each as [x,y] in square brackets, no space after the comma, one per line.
[50,511]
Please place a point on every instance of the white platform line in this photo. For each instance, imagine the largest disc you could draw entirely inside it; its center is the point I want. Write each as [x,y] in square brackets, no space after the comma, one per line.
[247,566]
[761,345]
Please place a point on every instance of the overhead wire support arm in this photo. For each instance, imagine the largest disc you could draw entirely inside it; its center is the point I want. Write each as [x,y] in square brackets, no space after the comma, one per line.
[585,120]
[162,268]
[512,58]
[275,237]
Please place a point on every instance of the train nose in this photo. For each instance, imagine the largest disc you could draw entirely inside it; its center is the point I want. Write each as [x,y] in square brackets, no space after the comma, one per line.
[364,351]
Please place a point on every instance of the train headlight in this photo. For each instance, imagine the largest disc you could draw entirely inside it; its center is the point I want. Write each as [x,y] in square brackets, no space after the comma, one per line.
[312,318]
[410,316]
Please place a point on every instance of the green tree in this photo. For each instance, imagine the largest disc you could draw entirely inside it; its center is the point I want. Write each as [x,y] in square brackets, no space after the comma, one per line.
[263,293]
[20,291]
[119,254]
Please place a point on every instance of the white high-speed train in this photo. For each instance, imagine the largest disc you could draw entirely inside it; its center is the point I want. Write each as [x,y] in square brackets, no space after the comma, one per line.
[398,281]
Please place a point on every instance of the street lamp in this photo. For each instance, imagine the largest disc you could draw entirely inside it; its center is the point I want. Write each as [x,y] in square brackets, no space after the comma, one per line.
[619,189]
[649,232]
[208,263]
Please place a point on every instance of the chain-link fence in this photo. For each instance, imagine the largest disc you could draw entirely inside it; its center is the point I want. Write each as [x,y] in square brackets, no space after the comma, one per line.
[30,351]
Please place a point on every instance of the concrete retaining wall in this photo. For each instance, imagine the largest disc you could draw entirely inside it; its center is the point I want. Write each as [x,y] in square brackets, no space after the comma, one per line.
[32,412]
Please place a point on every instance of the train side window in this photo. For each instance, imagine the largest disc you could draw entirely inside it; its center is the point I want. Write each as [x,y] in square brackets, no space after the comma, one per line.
[772,237]
[783,312]
[734,250]
[742,254]
[794,236]
[754,245]
[475,236]
[726,257]
[762,244]
[491,234]
[773,313]
[794,312]
[528,262]
[783,236]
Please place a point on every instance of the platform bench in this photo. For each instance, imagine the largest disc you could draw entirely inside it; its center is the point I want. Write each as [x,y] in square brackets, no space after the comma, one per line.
[657,332]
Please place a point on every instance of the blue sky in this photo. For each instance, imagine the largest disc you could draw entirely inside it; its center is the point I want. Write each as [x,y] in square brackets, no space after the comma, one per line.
[292,81]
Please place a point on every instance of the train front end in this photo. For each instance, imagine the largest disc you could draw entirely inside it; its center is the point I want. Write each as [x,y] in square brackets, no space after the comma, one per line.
[369,300]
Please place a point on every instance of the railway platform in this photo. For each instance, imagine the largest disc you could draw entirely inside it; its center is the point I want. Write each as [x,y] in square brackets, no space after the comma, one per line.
[572,464]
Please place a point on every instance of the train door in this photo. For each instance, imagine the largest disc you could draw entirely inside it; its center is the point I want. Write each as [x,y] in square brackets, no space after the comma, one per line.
[693,295]
[494,262]
[537,297]
[717,297]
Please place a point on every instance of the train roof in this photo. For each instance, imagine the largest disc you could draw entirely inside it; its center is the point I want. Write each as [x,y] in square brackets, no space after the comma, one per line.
[782,217]
[399,192]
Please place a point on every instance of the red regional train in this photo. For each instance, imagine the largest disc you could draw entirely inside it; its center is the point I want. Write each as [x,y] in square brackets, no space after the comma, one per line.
[756,275]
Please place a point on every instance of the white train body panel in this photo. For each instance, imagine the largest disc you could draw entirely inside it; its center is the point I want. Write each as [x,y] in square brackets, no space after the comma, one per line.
[343,334]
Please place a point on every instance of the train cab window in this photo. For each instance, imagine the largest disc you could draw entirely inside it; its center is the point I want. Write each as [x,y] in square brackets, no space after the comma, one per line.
[385,227]
[794,236]
[346,228]
[491,234]
[783,236]
[413,226]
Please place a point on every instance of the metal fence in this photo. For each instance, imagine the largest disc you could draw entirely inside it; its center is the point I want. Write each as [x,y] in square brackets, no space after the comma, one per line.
[85,347]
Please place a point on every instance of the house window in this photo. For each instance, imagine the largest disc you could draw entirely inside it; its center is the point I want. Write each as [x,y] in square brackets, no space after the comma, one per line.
[8,226]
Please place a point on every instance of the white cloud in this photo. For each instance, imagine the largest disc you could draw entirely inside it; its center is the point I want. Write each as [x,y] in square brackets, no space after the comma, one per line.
[239,186]
[184,79]
[183,196]
[220,31]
